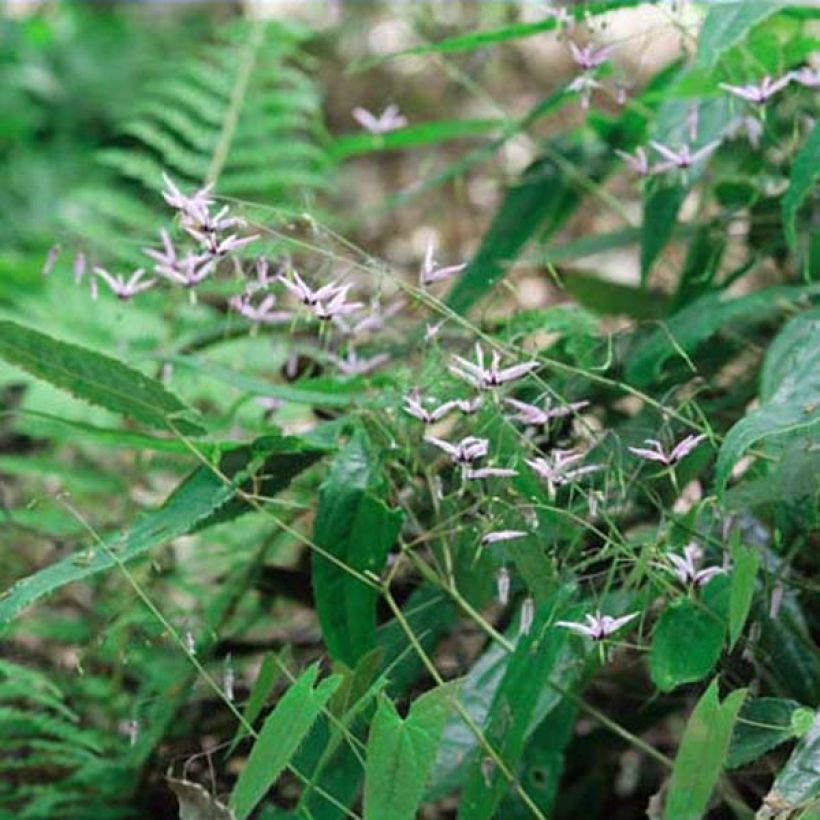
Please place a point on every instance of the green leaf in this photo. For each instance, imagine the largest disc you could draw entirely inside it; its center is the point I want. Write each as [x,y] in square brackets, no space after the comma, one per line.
[763,723]
[790,393]
[684,624]
[727,24]
[203,498]
[799,780]
[661,204]
[700,320]
[283,731]
[745,562]
[701,754]
[607,297]
[356,527]
[269,672]
[805,173]
[401,753]
[95,378]
[517,706]
[425,133]
[541,200]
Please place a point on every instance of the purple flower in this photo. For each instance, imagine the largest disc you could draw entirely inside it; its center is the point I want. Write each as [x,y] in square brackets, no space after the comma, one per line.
[373,322]
[502,535]
[808,76]
[683,158]
[469,406]
[430,272]
[389,120]
[124,289]
[51,259]
[530,414]
[638,162]
[261,313]
[352,365]
[685,568]
[188,271]
[584,85]
[325,302]
[597,626]
[760,93]
[490,472]
[559,468]
[488,377]
[467,451]
[657,453]
[414,406]
[588,57]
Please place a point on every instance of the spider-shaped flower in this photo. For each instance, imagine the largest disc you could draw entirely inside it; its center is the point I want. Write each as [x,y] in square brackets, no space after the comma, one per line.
[352,365]
[683,158]
[559,468]
[638,162]
[598,626]
[414,406]
[430,272]
[485,378]
[667,457]
[759,93]
[389,120]
[261,313]
[588,57]
[530,414]
[124,289]
[467,450]
[685,567]
[326,302]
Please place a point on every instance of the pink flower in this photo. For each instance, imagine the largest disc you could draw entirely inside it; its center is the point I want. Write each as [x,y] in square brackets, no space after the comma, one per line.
[559,468]
[760,93]
[657,453]
[588,57]
[352,365]
[124,289]
[414,406]
[597,626]
[502,535]
[261,313]
[467,451]
[389,120]
[685,568]
[430,272]
[488,377]
[683,158]
[530,414]
[639,162]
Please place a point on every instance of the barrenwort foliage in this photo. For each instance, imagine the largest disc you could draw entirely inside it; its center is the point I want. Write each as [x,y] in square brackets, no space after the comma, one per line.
[410,410]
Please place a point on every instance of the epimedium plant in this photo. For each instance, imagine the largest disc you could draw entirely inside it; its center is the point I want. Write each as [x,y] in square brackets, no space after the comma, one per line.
[555,559]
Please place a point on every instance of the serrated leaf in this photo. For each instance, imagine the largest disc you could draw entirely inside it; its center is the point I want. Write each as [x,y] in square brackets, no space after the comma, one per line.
[686,644]
[95,378]
[269,672]
[701,754]
[354,525]
[804,174]
[203,498]
[745,561]
[401,753]
[763,723]
[284,729]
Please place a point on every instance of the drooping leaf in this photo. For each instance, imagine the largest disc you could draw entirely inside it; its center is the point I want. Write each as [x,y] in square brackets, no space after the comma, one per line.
[762,724]
[203,498]
[798,782]
[702,753]
[356,527]
[745,561]
[790,393]
[283,731]
[804,175]
[401,753]
[95,378]
[684,624]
